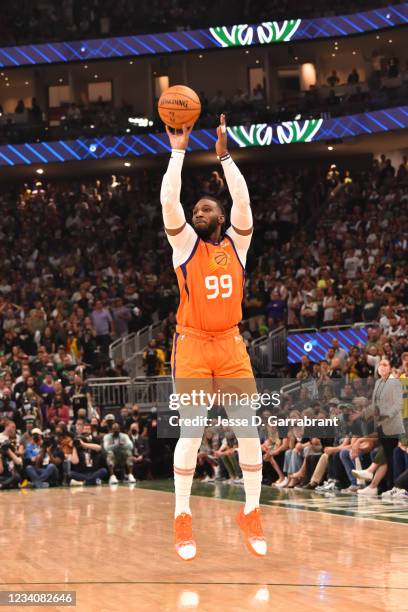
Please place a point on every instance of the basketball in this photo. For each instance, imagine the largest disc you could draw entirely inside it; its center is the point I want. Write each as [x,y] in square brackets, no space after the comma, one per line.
[179,105]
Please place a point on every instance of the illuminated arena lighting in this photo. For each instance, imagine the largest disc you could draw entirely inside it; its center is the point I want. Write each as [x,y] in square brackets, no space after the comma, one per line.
[210,38]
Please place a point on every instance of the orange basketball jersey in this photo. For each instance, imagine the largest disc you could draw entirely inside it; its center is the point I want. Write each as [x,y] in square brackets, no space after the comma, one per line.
[211,283]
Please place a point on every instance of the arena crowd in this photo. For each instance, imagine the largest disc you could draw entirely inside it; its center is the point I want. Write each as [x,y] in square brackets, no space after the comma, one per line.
[30,21]
[329,248]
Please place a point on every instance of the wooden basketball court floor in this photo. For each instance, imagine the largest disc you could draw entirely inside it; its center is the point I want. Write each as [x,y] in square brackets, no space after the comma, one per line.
[113,547]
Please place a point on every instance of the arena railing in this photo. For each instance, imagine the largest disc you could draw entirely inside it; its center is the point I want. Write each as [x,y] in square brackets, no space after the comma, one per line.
[113,393]
[125,348]
[110,392]
[152,391]
[270,350]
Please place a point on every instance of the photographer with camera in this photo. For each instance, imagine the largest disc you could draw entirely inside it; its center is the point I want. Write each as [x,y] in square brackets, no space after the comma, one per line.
[119,449]
[45,460]
[88,464]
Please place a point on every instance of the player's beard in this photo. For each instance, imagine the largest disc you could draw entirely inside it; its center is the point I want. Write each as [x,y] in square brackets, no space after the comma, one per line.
[206,231]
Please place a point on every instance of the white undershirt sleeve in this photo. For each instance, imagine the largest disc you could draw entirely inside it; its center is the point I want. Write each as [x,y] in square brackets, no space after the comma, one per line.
[173,213]
[241,214]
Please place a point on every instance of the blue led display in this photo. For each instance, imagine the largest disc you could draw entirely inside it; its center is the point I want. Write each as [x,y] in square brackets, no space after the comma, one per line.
[130,145]
[316,344]
[217,37]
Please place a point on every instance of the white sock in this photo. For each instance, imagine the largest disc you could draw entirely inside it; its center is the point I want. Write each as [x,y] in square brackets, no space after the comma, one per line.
[250,460]
[185,459]
[252,484]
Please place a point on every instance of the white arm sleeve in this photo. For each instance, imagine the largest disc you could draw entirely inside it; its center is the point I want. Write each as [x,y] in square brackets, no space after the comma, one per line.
[241,214]
[173,213]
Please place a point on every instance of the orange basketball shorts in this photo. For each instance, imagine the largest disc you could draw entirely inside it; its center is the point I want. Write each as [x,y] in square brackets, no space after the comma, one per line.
[199,354]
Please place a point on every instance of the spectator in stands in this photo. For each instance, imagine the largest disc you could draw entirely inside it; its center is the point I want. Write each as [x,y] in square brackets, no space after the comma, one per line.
[57,412]
[276,309]
[206,461]
[121,317]
[119,449]
[386,408]
[273,450]
[393,67]
[308,311]
[20,108]
[102,320]
[141,452]
[216,186]
[333,79]
[217,103]
[353,78]
[403,377]
[80,396]
[8,407]
[153,359]
[227,455]
[10,461]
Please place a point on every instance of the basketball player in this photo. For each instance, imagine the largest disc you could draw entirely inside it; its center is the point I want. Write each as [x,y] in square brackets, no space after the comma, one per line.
[210,270]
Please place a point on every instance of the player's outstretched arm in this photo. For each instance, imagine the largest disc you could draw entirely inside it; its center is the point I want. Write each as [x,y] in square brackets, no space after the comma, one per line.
[180,234]
[173,213]
[241,214]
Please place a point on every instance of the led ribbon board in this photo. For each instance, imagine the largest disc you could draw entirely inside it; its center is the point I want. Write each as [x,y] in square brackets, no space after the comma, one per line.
[257,135]
[316,344]
[211,38]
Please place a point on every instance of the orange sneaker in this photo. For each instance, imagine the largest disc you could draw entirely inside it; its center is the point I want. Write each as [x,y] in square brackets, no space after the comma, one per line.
[183,537]
[251,527]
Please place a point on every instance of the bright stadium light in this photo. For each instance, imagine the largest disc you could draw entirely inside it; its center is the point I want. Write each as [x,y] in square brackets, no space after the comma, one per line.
[139,121]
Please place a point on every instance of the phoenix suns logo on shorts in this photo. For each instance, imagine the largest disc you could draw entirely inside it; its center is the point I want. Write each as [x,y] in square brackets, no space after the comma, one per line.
[219,259]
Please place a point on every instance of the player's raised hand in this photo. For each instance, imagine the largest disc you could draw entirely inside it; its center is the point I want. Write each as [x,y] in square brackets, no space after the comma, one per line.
[179,140]
[221,144]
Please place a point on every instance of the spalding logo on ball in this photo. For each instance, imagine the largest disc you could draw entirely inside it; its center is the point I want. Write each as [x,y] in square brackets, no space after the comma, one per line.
[179,105]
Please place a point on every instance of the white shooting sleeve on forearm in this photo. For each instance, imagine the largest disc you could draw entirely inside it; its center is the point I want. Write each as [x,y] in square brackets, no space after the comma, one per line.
[241,214]
[173,213]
